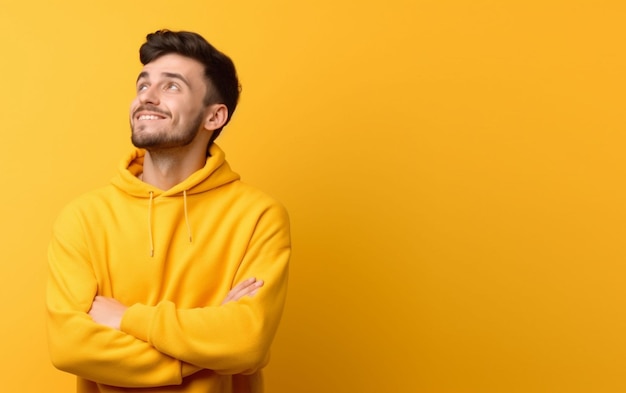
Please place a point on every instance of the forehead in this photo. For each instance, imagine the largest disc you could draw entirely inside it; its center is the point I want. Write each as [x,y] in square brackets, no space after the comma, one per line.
[174,64]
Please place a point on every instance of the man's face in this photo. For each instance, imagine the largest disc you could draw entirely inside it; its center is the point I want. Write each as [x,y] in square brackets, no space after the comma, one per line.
[169,108]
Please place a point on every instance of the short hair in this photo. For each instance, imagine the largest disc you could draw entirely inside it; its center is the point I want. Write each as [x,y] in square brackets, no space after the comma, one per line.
[219,69]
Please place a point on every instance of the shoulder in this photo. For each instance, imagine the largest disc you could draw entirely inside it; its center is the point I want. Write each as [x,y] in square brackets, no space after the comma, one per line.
[85,204]
[245,200]
[255,196]
[93,197]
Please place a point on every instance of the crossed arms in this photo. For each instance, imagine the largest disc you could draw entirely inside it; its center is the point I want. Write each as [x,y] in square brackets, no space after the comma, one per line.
[109,312]
[146,345]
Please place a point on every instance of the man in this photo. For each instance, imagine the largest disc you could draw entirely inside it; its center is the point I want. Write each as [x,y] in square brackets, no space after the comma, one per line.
[173,277]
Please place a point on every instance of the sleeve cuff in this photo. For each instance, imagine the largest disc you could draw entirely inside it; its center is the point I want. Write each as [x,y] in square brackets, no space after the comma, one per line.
[188,369]
[136,321]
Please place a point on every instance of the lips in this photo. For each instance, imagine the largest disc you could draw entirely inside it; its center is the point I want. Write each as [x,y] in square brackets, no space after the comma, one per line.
[145,113]
[149,117]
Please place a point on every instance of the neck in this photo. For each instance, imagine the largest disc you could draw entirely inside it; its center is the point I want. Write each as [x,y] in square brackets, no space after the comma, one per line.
[166,168]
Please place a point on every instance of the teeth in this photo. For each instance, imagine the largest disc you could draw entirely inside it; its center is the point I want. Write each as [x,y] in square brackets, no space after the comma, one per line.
[148,117]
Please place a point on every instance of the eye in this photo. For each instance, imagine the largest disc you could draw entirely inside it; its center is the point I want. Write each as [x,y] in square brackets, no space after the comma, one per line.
[141,87]
[172,87]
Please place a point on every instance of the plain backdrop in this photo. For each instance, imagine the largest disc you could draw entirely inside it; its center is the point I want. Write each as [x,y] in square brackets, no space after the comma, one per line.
[454,172]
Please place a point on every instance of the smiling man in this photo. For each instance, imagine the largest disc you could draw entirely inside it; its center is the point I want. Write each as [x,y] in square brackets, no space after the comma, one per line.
[173,277]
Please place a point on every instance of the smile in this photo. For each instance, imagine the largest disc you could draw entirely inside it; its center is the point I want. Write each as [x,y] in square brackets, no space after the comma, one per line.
[149,117]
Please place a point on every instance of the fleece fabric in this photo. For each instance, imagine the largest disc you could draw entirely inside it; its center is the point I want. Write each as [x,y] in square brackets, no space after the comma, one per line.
[171,256]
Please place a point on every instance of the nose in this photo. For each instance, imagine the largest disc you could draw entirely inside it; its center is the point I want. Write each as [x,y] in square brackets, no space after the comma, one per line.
[149,95]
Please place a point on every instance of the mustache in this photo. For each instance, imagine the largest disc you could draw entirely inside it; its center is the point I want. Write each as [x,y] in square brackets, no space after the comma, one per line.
[150,108]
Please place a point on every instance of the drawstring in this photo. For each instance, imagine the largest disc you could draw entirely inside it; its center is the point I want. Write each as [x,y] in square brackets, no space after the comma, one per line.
[186,215]
[150,224]
[150,220]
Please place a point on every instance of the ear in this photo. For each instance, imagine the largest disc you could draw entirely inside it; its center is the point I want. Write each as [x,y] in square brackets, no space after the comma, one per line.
[216,117]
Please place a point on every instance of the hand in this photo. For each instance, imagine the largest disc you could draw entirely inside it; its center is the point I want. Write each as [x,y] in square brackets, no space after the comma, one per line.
[248,287]
[107,311]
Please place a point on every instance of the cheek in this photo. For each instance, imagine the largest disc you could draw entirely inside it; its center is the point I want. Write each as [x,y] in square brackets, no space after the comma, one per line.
[134,104]
[184,112]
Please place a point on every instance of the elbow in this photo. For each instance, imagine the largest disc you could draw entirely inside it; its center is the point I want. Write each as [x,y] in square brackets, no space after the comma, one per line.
[66,352]
[245,363]
[247,356]
[60,357]
[256,359]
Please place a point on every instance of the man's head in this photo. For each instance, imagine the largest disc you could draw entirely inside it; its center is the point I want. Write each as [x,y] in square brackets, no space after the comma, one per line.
[218,74]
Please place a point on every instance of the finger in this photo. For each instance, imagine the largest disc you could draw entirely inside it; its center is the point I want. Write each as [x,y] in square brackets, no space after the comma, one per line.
[247,290]
[241,286]
[232,294]
[245,283]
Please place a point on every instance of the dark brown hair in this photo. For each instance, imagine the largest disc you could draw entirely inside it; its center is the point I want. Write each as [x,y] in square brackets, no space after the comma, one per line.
[218,68]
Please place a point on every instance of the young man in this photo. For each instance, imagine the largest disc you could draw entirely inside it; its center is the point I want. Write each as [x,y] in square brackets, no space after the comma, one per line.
[173,277]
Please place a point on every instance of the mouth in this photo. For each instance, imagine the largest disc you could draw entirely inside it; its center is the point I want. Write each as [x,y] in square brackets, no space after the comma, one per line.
[149,117]
[149,114]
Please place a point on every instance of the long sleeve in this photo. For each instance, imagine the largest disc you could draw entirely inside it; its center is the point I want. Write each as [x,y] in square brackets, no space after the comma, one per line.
[234,338]
[77,344]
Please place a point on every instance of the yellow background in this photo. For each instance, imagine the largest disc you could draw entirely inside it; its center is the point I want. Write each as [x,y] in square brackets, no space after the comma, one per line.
[454,172]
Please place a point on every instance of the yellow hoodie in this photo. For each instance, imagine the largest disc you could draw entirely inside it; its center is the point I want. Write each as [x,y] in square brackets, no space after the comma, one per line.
[172,256]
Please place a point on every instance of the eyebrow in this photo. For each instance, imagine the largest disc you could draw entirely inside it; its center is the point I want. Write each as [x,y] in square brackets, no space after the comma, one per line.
[174,75]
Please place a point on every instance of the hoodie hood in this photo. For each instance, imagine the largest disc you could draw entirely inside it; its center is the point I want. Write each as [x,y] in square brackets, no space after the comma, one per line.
[215,173]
